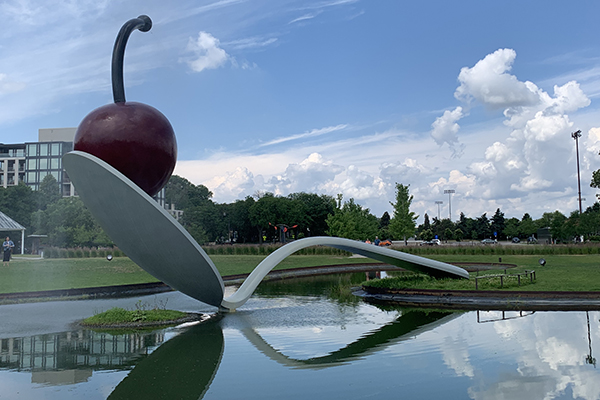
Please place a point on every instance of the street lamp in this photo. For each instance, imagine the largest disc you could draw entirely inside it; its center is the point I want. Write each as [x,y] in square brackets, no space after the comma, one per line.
[449,192]
[576,136]
[438,202]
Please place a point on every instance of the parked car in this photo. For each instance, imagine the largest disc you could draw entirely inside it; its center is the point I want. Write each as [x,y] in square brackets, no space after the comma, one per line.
[385,243]
[516,240]
[531,240]
[432,242]
[488,241]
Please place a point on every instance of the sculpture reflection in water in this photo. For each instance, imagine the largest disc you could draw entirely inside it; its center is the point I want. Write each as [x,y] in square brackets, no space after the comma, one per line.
[184,366]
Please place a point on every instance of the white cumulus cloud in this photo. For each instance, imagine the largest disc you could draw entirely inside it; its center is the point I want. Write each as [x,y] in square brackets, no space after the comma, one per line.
[490,83]
[206,53]
[445,129]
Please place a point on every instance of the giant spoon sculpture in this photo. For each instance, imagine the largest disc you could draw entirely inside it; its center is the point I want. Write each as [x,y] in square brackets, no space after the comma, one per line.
[125,152]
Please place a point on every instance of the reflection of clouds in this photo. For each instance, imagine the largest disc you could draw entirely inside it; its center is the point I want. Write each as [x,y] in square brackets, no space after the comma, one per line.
[456,356]
[550,351]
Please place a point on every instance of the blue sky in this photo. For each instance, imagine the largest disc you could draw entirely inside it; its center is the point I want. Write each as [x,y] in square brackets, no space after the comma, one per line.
[333,96]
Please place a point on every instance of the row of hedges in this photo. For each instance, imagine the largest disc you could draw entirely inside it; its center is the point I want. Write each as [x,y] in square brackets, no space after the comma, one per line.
[240,249]
[53,252]
[502,250]
[85,252]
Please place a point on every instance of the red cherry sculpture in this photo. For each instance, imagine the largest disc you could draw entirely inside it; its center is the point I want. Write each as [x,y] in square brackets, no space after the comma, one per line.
[134,138]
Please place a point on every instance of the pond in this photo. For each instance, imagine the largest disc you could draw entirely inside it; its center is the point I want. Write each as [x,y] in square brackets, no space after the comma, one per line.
[300,339]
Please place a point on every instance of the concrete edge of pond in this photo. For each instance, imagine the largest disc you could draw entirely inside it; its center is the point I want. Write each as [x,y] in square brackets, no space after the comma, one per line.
[483,300]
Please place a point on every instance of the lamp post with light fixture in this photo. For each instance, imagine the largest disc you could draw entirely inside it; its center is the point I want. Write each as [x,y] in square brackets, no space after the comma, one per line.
[576,135]
[438,202]
[449,192]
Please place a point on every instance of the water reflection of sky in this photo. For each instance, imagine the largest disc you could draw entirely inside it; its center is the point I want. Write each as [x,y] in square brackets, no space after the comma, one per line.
[311,346]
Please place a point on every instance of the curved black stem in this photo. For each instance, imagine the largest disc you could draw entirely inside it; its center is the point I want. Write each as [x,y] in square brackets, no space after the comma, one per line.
[143,23]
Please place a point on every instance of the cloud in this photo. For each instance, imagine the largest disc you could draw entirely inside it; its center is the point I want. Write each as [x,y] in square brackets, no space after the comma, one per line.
[445,129]
[313,174]
[251,43]
[207,53]
[9,86]
[235,184]
[304,18]
[311,133]
[489,83]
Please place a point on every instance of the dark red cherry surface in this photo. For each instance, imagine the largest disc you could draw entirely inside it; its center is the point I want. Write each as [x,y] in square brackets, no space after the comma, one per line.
[134,138]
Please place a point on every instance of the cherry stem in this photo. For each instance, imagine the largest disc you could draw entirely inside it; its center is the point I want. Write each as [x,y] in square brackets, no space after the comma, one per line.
[143,23]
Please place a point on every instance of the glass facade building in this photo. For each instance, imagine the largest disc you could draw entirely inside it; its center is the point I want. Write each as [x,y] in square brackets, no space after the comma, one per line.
[45,158]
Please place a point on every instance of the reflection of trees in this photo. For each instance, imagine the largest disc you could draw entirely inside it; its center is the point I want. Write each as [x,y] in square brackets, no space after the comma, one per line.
[182,368]
[405,327]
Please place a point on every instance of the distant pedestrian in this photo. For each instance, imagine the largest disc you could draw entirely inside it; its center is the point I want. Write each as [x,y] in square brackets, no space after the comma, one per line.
[7,247]
[377,241]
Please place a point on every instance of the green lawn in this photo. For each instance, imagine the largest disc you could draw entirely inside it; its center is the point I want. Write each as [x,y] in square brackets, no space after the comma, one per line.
[34,275]
[561,273]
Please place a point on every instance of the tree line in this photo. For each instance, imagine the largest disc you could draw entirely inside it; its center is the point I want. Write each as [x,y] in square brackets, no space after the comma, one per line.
[576,227]
[267,217]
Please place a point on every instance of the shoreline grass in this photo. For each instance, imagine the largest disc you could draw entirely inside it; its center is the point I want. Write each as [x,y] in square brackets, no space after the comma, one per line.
[30,275]
[578,273]
[120,316]
[573,272]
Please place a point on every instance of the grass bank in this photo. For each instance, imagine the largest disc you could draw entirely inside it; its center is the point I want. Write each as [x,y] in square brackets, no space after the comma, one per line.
[561,273]
[27,275]
[575,272]
[120,316]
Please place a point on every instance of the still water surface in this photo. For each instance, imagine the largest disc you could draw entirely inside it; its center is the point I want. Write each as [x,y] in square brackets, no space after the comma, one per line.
[298,340]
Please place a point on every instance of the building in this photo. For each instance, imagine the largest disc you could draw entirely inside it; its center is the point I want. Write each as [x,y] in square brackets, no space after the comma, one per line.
[44,157]
[31,162]
[12,164]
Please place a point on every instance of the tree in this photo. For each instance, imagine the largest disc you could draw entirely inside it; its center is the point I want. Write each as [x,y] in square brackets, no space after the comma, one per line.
[458,235]
[351,221]
[527,227]
[403,223]
[427,235]
[68,223]
[384,223]
[511,228]
[268,212]
[49,192]
[310,211]
[426,223]
[498,223]
[465,224]
[482,226]
[442,227]
[595,183]
[19,203]
[448,234]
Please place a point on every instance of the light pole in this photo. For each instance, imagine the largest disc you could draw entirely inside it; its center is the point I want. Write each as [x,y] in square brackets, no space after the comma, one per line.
[449,192]
[576,136]
[438,202]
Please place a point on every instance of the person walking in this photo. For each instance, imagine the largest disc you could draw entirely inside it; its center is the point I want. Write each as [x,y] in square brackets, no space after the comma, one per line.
[7,247]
